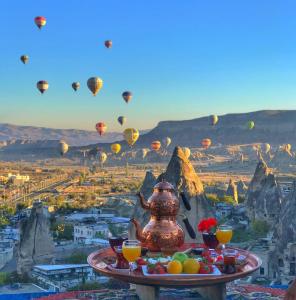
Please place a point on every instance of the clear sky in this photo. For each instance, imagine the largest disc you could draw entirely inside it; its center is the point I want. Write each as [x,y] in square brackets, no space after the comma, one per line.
[181,60]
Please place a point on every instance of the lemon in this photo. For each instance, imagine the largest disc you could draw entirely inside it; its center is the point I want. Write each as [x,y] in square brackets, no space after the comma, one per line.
[174,267]
[191,266]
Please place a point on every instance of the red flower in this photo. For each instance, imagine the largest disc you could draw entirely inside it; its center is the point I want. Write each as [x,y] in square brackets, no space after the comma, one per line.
[207,225]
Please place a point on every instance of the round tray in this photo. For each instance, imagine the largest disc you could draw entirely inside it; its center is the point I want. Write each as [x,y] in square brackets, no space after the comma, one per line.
[95,260]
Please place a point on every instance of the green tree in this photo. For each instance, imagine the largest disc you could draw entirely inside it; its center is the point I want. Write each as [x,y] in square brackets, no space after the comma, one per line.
[77,258]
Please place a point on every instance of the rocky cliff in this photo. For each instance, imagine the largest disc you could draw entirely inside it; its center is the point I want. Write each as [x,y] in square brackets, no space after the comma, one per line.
[182,175]
[36,244]
[232,190]
[263,196]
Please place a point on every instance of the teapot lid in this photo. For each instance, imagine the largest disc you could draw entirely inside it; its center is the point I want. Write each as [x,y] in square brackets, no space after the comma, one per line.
[164,185]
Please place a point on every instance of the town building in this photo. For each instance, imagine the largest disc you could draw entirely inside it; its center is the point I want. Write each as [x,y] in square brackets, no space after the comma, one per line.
[91,234]
[18,179]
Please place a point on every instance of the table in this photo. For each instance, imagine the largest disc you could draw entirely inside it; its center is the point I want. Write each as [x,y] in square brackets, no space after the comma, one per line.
[147,288]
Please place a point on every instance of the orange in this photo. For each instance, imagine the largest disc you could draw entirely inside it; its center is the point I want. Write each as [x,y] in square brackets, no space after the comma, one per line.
[191,266]
[174,267]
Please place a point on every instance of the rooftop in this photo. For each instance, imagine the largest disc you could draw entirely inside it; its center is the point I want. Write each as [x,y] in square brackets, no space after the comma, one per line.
[59,267]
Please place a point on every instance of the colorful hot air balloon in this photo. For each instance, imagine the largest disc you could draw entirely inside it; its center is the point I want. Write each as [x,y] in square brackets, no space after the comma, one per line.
[144,152]
[24,59]
[214,120]
[94,84]
[108,44]
[42,86]
[121,120]
[40,21]
[167,141]
[251,125]
[287,147]
[101,128]
[206,143]
[75,86]
[187,152]
[63,147]
[155,145]
[102,156]
[131,135]
[115,148]
[127,96]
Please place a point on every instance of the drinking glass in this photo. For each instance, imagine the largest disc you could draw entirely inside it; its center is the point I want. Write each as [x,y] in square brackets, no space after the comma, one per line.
[131,250]
[224,234]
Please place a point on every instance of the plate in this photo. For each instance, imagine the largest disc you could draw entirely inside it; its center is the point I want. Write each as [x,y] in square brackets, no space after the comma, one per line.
[216,272]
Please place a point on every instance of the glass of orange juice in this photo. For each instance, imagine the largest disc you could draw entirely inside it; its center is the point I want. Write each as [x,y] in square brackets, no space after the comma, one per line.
[131,250]
[224,234]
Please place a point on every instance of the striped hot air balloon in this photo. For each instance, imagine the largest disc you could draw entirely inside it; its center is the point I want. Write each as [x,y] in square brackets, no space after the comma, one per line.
[42,86]
[127,96]
[101,128]
[40,21]
[94,84]
[206,143]
[108,44]
[131,135]
[155,145]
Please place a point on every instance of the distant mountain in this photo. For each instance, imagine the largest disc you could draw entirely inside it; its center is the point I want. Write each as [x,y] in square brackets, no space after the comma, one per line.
[73,137]
[271,126]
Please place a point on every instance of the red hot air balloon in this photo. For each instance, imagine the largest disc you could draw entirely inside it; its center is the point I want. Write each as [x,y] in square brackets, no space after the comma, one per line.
[155,145]
[206,143]
[127,96]
[101,128]
[40,21]
[108,44]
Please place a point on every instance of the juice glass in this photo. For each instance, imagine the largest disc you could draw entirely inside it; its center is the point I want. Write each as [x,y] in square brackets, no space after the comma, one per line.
[131,250]
[224,234]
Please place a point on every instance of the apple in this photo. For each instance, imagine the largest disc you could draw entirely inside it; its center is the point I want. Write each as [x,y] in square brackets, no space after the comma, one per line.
[180,256]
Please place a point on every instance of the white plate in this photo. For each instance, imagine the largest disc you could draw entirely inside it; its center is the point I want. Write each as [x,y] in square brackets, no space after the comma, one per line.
[216,272]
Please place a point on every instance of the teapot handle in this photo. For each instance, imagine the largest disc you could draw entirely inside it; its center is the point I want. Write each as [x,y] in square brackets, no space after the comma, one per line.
[189,228]
[185,201]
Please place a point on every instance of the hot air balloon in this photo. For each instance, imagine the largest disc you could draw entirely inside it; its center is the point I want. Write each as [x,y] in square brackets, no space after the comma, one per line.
[121,120]
[287,147]
[94,84]
[214,120]
[187,152]
[206,143]
[101,128]
[102,156]
[155,145]
[42,86]
[131,135]
[251,125]
[25,59]
[75,86]
[115,148]
[166,141]
[144,152]
[108,44]
[63,147]
[127,96]
[40,21]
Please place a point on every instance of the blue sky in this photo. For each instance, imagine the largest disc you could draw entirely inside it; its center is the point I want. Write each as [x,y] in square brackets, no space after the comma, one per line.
[181,60]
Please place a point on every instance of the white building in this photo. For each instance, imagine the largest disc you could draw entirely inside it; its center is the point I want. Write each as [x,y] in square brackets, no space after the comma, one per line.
[88,234]
[18,179]
[61,277]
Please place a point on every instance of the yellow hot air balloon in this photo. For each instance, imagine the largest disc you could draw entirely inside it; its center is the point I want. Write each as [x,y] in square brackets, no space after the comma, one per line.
[214,120]
[186,151]
[63,147]
[287,147]
[42,86]
[131,135]
[251,125]
[94,84]
[115,148]
[167,141]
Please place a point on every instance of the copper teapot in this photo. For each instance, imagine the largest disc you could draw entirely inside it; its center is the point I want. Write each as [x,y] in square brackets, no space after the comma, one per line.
[162,231]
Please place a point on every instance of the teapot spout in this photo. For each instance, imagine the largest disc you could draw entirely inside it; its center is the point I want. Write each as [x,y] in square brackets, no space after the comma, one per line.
[143,202]
[139,235]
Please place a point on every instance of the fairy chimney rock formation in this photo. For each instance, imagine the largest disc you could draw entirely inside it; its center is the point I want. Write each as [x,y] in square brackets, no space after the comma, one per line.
[263,197]
[36,245]
[232,190]
[241,187]
[139,213]
[182,175]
